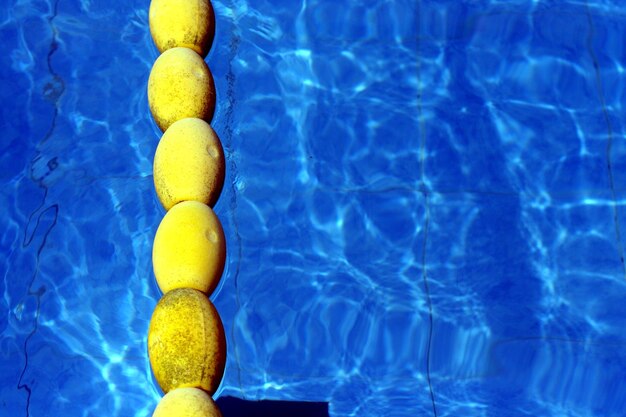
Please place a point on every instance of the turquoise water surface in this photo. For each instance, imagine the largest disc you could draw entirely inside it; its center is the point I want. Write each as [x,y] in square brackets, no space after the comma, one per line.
[423,206]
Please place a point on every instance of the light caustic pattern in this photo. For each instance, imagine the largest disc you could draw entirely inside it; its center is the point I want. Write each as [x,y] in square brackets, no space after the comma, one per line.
[418,202]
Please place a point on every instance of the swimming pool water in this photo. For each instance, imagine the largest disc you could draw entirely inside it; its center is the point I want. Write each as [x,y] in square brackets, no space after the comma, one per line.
[423,206]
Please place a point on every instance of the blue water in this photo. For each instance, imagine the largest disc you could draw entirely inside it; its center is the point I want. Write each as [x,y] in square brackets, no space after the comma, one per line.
[424,206]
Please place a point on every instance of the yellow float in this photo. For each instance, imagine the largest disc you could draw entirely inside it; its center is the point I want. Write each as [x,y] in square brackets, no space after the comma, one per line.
[186,23]
[180,86]
[186,402]
[189,164]
[186,342]
[189,248]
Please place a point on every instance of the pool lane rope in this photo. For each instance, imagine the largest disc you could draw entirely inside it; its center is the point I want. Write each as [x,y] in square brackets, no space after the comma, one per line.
[186,339]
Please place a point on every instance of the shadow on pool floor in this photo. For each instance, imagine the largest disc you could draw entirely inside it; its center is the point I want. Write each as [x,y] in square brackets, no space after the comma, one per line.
[235,407]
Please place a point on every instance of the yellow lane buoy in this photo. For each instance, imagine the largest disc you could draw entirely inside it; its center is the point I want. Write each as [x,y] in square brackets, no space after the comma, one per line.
[186,342]
[189,248]
[180,85]
[186,23]
[187,402]
[189,164]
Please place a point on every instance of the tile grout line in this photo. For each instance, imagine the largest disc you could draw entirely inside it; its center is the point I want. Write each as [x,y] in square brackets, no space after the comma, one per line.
[53,94]
[424,191]
[609,142]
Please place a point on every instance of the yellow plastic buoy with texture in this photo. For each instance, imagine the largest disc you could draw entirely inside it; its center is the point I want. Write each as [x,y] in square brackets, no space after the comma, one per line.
[186,23]
[189,248]
[180,86]
[189,164]
[187,402]
[186,342]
